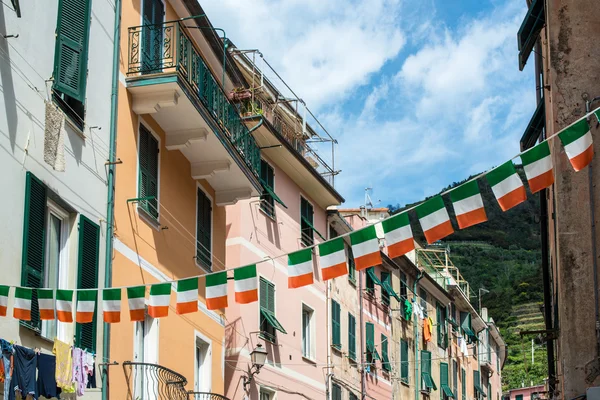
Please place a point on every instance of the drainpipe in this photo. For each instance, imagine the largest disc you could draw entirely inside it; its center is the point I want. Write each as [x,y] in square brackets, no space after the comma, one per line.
[328,319]
[363,383]
[110,203]
[416,335]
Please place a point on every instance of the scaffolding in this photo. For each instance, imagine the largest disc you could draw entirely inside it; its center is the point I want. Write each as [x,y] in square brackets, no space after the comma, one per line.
[437,263]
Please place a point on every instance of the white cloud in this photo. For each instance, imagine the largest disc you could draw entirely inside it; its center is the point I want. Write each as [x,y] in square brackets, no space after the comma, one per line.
[323,49]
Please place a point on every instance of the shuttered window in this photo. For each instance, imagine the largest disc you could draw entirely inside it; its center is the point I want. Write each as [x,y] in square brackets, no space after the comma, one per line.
[336,392]
[351,266]
[385,360]
[89,245]
[336,336]
[442,329]
[404,366]
[444,382]
[463,385]
[34,243]
[426,377]
[267,179]
[455,378]
[148,172]
[372,354]
[351,337]
[352,396]
[385,295]
[268,322]
[423,295]
[306,222]
[204,230]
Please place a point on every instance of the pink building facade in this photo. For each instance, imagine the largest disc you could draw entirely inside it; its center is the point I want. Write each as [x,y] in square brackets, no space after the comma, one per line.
[528,393]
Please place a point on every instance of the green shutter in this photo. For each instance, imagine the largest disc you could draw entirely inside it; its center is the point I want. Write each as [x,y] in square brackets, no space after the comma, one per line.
[71,50]
[427,379]
[455,378]
[404,366]
[336,392]
[444,378]
[385,361]
[351,337]
[87,271]
[204,230]
[306,222]
[385,295]
[351,265]
[463,385]
[336,340]
[34,243]
[148,172]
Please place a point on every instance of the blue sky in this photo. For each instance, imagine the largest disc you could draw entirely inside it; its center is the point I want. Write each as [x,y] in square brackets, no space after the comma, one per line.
[419,93]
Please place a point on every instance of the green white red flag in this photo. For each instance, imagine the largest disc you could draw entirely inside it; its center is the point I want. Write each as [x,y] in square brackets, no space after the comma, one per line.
[22,306]
[86,306]
[246,284]
[398,235]
[537,163]
[434,219]
[187,296]
[46,303]
[136,298]
[3,300]
[332,258]
[64,305]
[300,268]
[365,247]
[111,305]
[160,297]
[216,290]
[507,186]
[578,144]
[468,205]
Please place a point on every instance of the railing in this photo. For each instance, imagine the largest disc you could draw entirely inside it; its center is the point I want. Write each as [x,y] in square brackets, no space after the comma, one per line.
[164,48]
[153,382]
[205,396]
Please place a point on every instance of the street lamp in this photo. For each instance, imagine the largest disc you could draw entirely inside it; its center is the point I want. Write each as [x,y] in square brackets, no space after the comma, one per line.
[258,358]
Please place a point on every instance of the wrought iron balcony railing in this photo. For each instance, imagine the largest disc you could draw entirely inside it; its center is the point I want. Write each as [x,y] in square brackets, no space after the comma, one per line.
[167,48]
[153,382]
[205,396]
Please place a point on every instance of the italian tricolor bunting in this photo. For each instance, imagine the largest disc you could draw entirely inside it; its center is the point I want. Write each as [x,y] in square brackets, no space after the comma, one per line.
[3,299]
[468,205]
[46,303]
[136,297]
[506,185]
[332,258]
[577,140]
[434,219]
[365,247]
[300,268]
[537,164]
[398,235]
[187,296]
[22,306]
[86,306]
[160,297]
[216,290]
[64,305]
[111,305]
[246,284]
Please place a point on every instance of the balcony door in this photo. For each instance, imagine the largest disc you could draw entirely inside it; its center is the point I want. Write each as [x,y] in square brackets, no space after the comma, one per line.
[145,352]
[153,14]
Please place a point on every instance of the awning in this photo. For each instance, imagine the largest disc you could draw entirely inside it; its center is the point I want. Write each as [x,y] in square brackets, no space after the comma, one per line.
[271,193]
[390,291]
[272,320]
[428,381]
[447,391]
[371,273]
[307,222]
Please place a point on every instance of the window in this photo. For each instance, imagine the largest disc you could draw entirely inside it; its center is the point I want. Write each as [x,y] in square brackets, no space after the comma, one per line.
[336,337]
[266,394]
[336,392]
[89,245]
[403,286]
[385,360]
[152,36]
[145,350]
[442,329]
[352,396]
[478,391]
[267,178]
[351,337]
[489,345]
[404,363]
[306,222]
[385,296]
[351,266]
[455,378]
[423,295]
[463,385]
[369,282]
[426,377]
[519,397]
[444,384]
[268,322]
[71,57]
[308,346]
[202,374]
[372,354]
[465,324]
[529,31]
[204,230]
[148,173]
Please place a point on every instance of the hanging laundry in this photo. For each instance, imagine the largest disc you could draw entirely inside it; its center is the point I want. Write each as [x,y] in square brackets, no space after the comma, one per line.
[79,374]
[46,380]
[408,309]
[7,363]
[427,329]
[417,309]
[89,369]
[64,366]
[24,372]
[92,379]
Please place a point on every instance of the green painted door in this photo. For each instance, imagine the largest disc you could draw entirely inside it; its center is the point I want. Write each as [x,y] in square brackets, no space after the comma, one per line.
[153,12]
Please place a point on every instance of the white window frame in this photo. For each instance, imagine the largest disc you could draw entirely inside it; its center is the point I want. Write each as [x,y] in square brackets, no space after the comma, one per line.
[155,223]
[268,391]
[212,228]
[202,383]
[264,337]
[312,332]
[63,266]
[144,334]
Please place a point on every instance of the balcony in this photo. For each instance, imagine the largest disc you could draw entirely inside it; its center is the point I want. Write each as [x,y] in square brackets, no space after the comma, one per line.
[154,382]
[168,78]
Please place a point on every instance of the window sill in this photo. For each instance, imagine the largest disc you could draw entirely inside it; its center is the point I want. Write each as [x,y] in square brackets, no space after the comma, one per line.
[203,268]
[309,360]
[77,126]
[404,382]
[352,282]
[267,338]
[149,219]
[337,349]
[425,392]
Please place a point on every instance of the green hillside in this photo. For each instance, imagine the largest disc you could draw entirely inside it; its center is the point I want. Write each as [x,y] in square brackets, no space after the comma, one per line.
[503,256]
